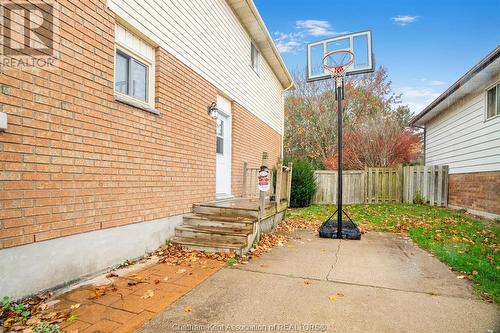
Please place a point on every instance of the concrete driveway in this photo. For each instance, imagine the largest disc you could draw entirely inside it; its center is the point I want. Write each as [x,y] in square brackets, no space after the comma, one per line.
[382,283]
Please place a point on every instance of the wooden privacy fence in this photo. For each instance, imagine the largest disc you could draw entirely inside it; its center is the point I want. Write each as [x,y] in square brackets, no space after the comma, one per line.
[431,181]
[353,183]
[384,185]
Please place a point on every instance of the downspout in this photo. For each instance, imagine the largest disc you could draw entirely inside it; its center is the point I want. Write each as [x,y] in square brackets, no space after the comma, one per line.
[425,137]
[292,84]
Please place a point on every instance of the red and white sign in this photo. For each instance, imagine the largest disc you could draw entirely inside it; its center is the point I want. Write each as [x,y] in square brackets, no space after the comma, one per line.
[264,180]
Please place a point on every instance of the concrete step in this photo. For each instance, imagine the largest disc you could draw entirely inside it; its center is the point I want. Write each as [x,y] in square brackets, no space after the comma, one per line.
[207,209]
[220,234]
[241,222]
[210,245]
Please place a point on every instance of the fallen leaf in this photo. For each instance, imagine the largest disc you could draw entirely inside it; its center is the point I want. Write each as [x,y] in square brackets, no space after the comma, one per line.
[307,282]
[17,327]
[340,295]
[148,294]
[72,317]
[8,322]
[332,298]
[98,292]
[75,306]
[165,278]
[32,321]
[157,281]
[188,309]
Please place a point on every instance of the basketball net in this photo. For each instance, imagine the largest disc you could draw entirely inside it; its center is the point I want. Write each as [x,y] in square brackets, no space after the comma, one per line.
[339,67]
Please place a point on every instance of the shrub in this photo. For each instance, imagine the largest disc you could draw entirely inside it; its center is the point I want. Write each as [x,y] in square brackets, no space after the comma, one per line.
[418,198]
[303,184]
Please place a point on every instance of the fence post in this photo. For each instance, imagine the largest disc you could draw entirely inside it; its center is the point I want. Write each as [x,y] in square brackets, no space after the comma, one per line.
[440,186]
[277,190]
[446,175]
[400,183]
[245,171]
[262,194]
[432,187]
[289,183]
[367,193]
[406,184]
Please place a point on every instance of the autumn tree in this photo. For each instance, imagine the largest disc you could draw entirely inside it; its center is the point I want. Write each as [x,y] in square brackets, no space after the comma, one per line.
[375,123]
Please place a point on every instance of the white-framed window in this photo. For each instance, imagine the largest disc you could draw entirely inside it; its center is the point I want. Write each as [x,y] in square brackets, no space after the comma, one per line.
[131,76]
[493,101]
[134,69]
[254,57]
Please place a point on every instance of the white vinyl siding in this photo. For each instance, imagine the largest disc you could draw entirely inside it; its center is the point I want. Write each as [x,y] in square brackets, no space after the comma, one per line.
[208,37]
[254,58]
[461,138]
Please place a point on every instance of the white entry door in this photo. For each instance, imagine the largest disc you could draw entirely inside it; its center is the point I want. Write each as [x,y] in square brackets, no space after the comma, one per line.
[223,173]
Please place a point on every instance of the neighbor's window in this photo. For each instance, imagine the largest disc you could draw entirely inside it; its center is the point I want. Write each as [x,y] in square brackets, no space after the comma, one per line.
[132,76]
[493,102]
[254,56]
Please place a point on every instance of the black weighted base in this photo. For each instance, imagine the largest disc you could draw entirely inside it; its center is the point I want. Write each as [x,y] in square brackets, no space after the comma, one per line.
[349,229]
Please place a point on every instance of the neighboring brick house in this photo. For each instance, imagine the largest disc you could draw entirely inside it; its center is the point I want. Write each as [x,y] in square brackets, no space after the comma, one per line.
[104,151]
[462,130]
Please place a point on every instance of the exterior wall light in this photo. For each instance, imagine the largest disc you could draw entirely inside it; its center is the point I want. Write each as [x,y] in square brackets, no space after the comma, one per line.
[213,111]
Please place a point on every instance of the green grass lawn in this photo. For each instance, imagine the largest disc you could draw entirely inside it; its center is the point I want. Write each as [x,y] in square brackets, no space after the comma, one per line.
[469,246]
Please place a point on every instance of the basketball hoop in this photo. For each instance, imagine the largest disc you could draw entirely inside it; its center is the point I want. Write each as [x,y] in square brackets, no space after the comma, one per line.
[333,58]
[337,62]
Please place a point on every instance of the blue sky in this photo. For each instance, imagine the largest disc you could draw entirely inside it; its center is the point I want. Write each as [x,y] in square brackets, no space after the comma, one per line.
[425,45]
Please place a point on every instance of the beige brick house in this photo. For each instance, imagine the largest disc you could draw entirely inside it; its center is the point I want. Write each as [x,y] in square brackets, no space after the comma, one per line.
[102,153]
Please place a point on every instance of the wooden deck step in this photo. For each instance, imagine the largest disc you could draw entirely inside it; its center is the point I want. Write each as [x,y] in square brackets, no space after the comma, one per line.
[207,209]
[213,233]
[216,230]
[210,245]
[220,221]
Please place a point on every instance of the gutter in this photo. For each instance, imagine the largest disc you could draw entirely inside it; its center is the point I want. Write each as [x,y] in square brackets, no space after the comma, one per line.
[485,62]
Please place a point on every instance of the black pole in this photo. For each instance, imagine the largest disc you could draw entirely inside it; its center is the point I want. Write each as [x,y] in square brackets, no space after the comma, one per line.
[339,96]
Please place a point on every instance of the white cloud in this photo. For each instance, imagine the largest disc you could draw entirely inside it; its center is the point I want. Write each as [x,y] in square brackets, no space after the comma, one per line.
[404,19]
[437,83]
[315,27]
[293,41]
[417,98]
[288,43]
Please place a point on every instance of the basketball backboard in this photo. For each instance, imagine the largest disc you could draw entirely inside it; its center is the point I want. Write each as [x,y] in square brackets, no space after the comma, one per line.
[359,43]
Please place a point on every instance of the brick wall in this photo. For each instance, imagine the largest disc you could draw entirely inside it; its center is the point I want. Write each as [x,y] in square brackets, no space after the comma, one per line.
[73,160]
[479,191]
[251,136]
